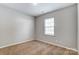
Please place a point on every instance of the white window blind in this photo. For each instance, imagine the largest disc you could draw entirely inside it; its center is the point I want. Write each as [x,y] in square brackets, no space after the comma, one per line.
[49,26]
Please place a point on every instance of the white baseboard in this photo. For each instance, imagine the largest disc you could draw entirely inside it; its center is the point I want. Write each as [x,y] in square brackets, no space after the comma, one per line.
[16,43]
[58,45]
[39,40]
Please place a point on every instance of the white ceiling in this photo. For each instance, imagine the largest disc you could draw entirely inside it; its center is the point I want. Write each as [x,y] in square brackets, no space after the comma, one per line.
[36,10]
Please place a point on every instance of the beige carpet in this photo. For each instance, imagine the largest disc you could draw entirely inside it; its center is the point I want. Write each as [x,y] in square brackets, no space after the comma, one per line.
[36,48]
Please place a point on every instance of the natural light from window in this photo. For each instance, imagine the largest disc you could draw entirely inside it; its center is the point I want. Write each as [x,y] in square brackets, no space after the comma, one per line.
[49,26]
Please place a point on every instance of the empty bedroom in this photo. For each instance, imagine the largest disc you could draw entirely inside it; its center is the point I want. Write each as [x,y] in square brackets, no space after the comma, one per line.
[39,28]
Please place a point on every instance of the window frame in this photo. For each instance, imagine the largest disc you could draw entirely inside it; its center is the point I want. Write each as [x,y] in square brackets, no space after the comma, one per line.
[49,26]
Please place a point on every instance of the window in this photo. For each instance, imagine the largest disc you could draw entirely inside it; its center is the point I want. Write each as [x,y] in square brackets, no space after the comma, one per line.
[49,26]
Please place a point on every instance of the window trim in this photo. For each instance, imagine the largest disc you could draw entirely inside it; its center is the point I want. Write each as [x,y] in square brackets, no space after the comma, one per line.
[45,27]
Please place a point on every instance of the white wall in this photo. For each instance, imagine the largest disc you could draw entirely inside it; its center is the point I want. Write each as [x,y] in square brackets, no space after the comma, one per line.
[78,27]
[65,29]
[15,27]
